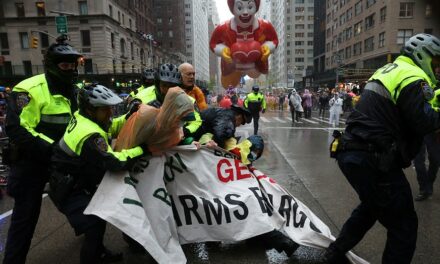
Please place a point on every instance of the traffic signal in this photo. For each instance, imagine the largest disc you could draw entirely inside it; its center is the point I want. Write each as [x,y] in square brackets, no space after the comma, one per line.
[34,42]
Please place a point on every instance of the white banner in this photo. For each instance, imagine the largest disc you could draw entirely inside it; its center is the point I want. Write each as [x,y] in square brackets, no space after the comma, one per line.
[212,196]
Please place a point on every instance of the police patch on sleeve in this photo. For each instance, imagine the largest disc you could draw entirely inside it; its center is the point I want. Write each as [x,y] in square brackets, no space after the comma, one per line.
[22,100]
[428,92]
[101,144]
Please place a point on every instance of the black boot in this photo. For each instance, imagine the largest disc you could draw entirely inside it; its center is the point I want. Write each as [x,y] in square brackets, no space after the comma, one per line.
[280,242]
[108,256]
[333,255]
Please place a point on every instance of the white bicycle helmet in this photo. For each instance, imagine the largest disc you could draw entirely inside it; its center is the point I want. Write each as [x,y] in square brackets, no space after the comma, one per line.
[421,48]
[96,95]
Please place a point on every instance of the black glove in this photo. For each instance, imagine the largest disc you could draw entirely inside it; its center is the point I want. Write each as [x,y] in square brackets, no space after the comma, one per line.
[155,104]
[133,107]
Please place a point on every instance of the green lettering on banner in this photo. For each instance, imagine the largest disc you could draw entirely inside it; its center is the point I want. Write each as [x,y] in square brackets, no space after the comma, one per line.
[131,201]
[162,195]
[173,163]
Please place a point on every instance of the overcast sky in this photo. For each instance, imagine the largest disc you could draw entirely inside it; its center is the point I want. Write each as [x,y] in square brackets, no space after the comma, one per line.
[223,10]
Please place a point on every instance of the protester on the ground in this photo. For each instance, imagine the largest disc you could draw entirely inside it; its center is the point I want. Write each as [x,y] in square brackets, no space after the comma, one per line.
[382,136]
[80,160]
[188,84]
[255,103]
[295,105]
[335,109]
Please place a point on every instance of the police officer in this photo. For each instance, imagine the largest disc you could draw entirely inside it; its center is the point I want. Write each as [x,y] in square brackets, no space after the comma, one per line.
[167,76]
[147,77]
[255,102]
[39,110]
[80,160]
[382,136]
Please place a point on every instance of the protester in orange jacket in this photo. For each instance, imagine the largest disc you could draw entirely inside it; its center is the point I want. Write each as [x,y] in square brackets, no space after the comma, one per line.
[188,78]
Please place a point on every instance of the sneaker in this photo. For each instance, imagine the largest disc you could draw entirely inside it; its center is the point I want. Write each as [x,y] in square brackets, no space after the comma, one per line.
[110,257]
[422,196]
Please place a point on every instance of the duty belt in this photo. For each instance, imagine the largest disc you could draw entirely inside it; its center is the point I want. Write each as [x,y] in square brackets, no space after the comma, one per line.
[352,145]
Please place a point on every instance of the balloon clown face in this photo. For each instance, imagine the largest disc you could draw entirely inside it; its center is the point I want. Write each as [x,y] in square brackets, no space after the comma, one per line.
[244,10]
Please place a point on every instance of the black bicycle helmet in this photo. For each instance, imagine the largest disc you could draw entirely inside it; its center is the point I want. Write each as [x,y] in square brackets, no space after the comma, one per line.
[247,116]
[255,88]
[421,48]
[257,144]
[169,73]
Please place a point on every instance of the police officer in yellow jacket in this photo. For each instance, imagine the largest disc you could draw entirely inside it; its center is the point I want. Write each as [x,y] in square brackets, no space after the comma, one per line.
[79,162]
[167,76]
[383,134]
[255,102]
[147,77]
[39,110]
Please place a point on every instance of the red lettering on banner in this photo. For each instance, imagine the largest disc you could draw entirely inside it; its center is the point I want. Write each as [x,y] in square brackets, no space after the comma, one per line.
[230,172]
[239,168]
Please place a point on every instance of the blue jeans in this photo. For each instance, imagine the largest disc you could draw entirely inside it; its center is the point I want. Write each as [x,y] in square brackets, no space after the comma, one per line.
[385,197]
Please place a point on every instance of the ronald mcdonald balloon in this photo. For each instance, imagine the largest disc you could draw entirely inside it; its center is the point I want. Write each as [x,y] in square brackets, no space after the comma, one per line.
[244,42]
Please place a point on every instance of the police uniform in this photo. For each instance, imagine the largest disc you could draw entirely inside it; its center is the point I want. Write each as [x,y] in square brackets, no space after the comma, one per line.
[255,102]
[382,136]
[38,114]
[85,154]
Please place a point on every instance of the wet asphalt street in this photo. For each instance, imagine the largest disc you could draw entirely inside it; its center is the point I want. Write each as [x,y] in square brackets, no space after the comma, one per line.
[297,158]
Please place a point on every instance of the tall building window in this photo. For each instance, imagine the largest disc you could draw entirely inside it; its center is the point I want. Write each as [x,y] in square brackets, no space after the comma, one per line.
[299,18]
[369,21]
[349,13]
[82,6]
[370,3]
[119,16]
[27,66]
[20,9]
[357,49]
[299,1]
[381,39]
[299,59]
[159,20]
[132,50]
[310,42]
[24,40]
[123,19]
[4,43]
[299,35]
[358,28]
[403,35]
[110,11]
[44,40]
[348,33]
[299,51]
[112,40]
[383,14]
[369,44]
[85,38]
[41,9]
[129,23]
[428,10]
[406,10]
[170,34]
[299,9]
[348,52]
[122,45]
[358,8]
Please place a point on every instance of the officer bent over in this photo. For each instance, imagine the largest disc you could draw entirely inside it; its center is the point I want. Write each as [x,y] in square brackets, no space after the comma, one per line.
[80,160]
[39,110]
[383,134]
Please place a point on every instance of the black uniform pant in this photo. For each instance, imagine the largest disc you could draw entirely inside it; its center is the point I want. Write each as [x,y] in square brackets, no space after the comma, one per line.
[25,184]
[385,197]
[426,177]
[91,226]
[255,118]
